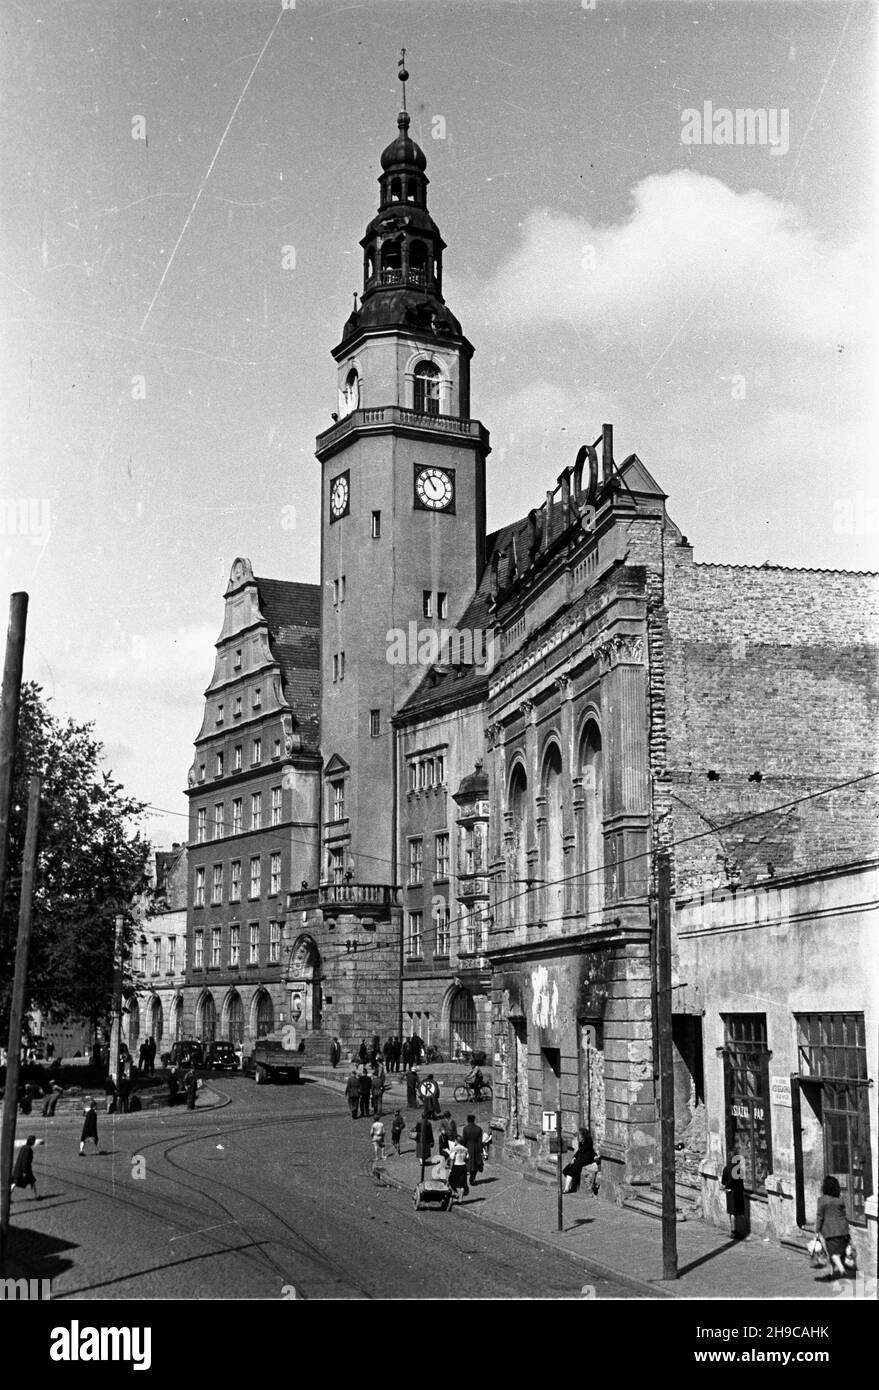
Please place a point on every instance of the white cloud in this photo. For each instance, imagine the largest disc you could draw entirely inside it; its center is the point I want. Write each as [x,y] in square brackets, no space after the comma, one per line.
[692,253]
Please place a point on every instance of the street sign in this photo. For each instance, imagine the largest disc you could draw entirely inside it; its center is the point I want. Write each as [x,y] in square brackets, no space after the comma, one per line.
[779,1090]
[549,1122]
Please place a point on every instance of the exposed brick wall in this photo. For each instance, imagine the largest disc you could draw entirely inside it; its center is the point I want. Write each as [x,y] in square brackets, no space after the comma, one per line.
[768,670]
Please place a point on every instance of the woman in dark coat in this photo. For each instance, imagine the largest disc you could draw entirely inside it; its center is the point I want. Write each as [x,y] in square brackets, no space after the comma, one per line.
[831,1223]
[584,1157]
[732,1181]
[23,1172]
[89,1127]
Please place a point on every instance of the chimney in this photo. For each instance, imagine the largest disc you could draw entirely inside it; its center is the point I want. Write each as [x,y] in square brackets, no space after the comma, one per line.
[606,453]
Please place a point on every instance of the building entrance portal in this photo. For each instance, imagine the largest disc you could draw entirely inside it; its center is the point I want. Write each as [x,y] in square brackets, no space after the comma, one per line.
[305,986]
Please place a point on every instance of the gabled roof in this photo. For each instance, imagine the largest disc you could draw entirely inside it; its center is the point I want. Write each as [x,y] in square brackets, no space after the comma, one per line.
[292,612]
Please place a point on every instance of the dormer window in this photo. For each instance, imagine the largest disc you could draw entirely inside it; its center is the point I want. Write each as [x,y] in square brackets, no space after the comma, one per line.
[427,389]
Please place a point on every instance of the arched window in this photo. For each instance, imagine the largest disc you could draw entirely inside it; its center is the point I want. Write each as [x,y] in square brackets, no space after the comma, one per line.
[591,828]
[370,265]
[177,1019]
[206,1022]
[133,1023]
[518,808]
[427,389]
[462,1025]
[553,866]
[265,1014]
[351,392]
[396,190]
[234,1019]
[157,1022]
[392,261]
[418,262]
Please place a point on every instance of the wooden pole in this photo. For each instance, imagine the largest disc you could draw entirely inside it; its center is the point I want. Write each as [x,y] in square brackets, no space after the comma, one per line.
[116,1016]
[16,1018]
[9,705]
[666,1066]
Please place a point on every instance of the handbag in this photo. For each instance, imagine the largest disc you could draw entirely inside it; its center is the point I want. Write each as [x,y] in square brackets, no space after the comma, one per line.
[850,1258]
[817,1253]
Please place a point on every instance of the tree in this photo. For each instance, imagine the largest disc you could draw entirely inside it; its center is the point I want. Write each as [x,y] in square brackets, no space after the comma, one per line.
[91,867]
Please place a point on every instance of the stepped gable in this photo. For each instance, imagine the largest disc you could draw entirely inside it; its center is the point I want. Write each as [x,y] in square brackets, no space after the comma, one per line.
[292,612]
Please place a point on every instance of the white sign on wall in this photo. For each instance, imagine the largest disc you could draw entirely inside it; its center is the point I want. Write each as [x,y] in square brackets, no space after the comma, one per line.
[549,1122]
[779,1090]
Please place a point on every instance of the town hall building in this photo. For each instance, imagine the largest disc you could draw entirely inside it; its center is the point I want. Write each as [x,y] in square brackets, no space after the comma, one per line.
[428,791]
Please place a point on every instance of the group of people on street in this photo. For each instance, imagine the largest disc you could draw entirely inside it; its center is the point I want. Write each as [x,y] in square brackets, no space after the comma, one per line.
[147,1057]
[364,1090]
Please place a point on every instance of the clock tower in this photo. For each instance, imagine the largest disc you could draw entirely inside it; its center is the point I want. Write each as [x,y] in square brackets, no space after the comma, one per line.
[402,511]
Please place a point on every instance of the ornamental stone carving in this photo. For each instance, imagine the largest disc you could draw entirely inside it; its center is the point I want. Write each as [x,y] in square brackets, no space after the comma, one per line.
[624,649]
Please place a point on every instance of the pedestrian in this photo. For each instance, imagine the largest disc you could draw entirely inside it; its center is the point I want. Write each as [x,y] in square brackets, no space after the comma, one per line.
[173,1085]
[50,1051]
[151,1056]
[89,1126]
[388,1053]
[429,1092]
[471,1137]
[110,1093]
[50,1104]
[584,1160]
[406,1054]
[141,1056]
[378,1086]
[335,1053]
[362,1053]
[458,1157]
[448,1131]
[424,1139]
[377,1135]
[733,1183]
[23,1171]
[352,1094]
[411,1089]
[398,1124]
[123,1091]
[831,1224]
[25,1104]
[365,1084]
[190,1081]
[397,1048]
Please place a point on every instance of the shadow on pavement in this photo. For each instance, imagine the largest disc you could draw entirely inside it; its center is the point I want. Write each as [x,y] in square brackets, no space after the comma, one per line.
[712,1255]
[32,1255]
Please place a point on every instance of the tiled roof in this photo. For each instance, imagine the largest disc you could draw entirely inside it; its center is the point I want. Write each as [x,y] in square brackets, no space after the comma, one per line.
[292,611]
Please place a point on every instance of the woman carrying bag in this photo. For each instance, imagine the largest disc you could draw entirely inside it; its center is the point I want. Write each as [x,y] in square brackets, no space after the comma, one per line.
[831,1225]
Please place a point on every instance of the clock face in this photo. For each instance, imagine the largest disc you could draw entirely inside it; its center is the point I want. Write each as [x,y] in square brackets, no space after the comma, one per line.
[435,489]
[339,496]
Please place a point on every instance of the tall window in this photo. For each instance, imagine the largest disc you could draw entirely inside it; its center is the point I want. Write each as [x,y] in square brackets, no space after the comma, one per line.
[219,767]
[234,944]
[442,606]
[553,831]
[219,821]
[236,815]
[256,752]
[746,1086]
[235,881]
[201,825]
[335,866]
[426,603]
[256,810]
[590,824]
[275,874]
[415,940]
[276,805]
[257,697]
[427,389]
[237,709]
[172,955]
[237,661]
[217,886]
[237,758]
[376,525]
[442,855]
[253,949]
[199,886]
[274,941]
[443,931]
[416,855]
[157,954]
[375,723]
[338,794]
[834,1079]
[198,952]
[255,872]
[517,860]
[351,392]
[215,945]
[440,769]
[276,748]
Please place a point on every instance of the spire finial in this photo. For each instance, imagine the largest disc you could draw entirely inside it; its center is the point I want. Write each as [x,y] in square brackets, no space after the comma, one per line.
[403,74]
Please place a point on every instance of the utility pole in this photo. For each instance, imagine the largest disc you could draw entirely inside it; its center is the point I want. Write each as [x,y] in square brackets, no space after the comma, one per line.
[666,1066]
[16,1017]
[9,705]
[558,1136]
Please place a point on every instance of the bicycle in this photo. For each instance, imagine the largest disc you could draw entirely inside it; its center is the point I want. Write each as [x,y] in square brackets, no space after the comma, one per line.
[466,1091]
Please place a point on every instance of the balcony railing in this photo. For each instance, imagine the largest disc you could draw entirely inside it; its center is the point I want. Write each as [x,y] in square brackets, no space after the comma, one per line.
[395,275]
[344,894]
[399,415]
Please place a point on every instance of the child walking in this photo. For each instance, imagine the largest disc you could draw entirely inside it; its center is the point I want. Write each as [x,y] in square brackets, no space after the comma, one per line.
[398,1124]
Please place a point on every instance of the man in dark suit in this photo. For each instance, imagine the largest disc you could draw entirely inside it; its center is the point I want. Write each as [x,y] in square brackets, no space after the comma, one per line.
[471,1138]
[365,1084]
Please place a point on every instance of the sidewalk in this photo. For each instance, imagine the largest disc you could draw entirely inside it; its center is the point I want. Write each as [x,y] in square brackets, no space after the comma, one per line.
[611,1240]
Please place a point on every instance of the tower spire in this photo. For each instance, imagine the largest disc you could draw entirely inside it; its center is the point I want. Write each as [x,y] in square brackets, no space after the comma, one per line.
[403,75]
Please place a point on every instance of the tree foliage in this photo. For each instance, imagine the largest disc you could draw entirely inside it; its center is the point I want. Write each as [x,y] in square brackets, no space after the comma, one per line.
[91,866]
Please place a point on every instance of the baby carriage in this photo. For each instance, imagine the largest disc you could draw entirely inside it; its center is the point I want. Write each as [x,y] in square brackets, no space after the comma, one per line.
[435,1191]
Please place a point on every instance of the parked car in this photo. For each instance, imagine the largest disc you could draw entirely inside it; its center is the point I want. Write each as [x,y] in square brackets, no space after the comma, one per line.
[221,1056]
[187,1054]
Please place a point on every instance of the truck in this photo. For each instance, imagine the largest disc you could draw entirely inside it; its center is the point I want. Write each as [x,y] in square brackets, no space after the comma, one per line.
[276,1057]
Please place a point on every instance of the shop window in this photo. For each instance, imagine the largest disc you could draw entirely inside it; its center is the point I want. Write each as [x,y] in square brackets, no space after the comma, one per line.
[746,1086]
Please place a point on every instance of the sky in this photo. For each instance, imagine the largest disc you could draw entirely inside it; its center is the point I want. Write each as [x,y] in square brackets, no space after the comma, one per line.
[184,189]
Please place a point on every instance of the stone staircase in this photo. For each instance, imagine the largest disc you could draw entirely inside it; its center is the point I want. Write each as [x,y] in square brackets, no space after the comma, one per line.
[688,1195]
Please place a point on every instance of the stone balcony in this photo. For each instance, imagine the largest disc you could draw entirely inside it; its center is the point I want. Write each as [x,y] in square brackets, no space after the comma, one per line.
[355,897]
[383,417]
